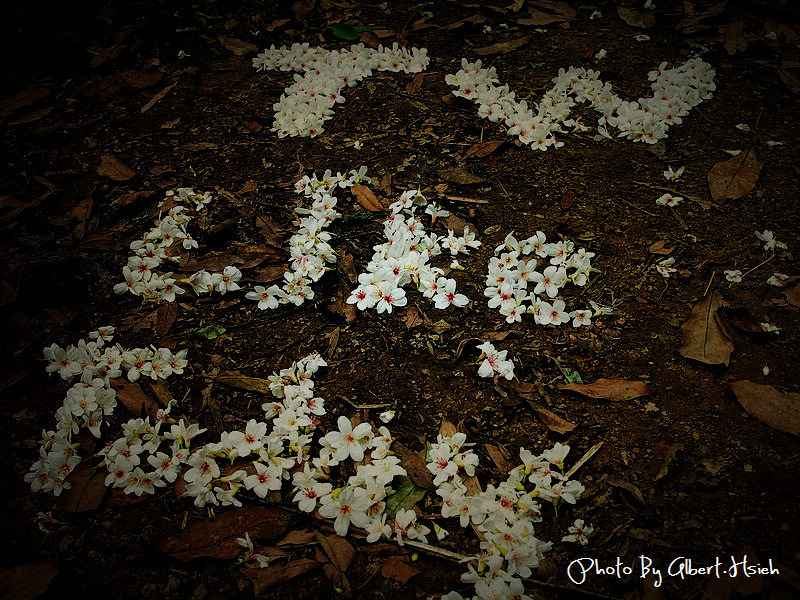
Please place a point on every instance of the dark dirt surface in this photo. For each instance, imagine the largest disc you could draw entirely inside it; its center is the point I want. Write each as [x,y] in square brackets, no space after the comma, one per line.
[732,484]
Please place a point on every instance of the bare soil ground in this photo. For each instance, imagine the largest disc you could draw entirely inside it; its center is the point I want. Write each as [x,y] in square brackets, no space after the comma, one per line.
[683,470]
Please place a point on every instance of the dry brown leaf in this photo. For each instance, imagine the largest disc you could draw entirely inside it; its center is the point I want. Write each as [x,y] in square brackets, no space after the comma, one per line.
[517,5]
[264,579]
[87,491]
[24,98]
[413,318]
[114,168]
[340,554]
[132,396]
[741,318]
[142,79]
[734,37]
[567,200]
[301,10]
[661,247]
[398,568]
[779,410]
[244,382]
[733,178]
[502,47]
[106,54]
[457,175]
[609,389]
[500,457]
[217,538]
[276,23]
[482,149]
[26,582]
[341,306]
[31,116]
[415,466]
[415,83]
[672,452]
[634,491]
[792,82]
[165,317]
[158,97]
[348,267]
[793,296]
[551,419]
[545,12]
[457,224]
[636,18]
[297,538]
[705,337]
[367,198]
[693,18]
[238,47]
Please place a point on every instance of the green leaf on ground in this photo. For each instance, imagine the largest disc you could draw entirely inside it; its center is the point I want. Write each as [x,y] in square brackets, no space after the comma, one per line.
[406,496]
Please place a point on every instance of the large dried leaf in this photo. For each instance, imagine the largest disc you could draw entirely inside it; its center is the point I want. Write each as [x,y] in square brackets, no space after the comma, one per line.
[367,198]
[264,579]
[217,538]
[791,81]
[779,410]
[793,296]
[415,466]
[460,176]
[133,397]
[165,317]
[609,389]
[705,337]
[398,568]
[735,177]
[87,491]
[24,98]
[503,47]
[734,37]
[26,582]
[482,149]
[340,553]
[238,47]
[551,419]
[114,168]
[636,18]
[244,382]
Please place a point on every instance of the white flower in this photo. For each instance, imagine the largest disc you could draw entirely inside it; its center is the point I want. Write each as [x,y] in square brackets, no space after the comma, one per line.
[346,507]
[671,175]
[669,200]
[778,279]
[578,533]
[664,266]
[734,275]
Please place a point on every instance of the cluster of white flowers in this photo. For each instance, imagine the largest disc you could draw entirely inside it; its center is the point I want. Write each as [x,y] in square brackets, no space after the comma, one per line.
[510,273]
[504,514]
[159,245]
[675,92]
[91,399]
[308,102]
[309,249]
[494,362]
[405,258]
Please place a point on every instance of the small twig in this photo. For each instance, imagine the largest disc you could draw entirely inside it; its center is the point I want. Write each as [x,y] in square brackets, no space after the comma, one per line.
[504,190]
[465,199]
[762,263]
[362,406]
[679,219]
[427,548]
[637,208]
[709,283]
[589,454]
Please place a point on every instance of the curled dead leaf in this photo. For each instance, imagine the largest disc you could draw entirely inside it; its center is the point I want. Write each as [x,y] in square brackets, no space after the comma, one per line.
[26,582]
[779,410]
[705,337]
[609,389]
[482,149]
[133,397]
[460,176]
[87,491]
[238,47]
[793,296]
